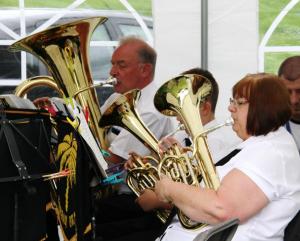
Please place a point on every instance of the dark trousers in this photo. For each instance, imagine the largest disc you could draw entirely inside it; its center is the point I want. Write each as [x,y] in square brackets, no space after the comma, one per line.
[119,217]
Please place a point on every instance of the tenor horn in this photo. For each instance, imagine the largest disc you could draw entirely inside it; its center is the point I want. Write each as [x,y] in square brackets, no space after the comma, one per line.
[64,51]
[182,96]
[121,112]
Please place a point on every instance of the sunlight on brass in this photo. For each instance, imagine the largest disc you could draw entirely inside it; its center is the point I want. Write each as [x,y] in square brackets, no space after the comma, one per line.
[182,96]
[64,50]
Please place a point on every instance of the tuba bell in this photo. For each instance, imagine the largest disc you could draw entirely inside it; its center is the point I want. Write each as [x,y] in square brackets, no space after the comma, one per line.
[182,96]
[64,51]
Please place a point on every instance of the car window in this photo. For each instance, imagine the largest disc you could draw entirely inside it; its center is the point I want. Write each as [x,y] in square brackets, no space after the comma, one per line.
[100,61]
[101,34]
[132,30]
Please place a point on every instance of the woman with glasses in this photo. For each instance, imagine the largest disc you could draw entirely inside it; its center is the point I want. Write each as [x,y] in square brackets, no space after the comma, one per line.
[260,185]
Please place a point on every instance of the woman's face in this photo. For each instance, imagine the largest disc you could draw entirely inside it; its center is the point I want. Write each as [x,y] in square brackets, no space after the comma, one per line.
[238,108]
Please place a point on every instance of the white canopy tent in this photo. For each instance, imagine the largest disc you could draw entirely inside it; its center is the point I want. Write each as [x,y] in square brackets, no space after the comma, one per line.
[232,41]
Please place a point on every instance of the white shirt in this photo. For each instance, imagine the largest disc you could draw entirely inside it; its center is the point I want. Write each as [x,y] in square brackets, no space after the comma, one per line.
[270,161]
[295,131]
[159,124]
[220,142]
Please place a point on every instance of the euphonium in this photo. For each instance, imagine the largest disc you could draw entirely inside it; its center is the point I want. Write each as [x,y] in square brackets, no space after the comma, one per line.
[64,51]
[182,96]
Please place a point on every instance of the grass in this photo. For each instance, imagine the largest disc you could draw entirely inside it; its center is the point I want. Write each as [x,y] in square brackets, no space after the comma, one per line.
[287,32]
[142,6]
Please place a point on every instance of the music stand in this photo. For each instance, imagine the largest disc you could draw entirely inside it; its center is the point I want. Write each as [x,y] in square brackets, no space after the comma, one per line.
[25,151]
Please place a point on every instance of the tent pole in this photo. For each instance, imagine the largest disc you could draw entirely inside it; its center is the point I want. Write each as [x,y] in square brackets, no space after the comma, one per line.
[204,34]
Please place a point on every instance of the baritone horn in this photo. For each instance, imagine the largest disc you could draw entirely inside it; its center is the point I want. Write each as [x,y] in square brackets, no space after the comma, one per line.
[64,51]
[182,96]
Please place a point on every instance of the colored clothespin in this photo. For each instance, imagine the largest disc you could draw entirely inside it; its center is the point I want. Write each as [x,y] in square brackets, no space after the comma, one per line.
[51,109]
[69,101]
[105,153]
[113,179]
[75,123]
[86,114]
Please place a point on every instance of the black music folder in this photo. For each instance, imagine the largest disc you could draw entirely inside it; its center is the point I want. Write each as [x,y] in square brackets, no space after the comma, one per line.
[25,152]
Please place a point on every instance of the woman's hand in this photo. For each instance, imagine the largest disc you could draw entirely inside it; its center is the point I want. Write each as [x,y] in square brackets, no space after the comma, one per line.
[149,201]
[161,189]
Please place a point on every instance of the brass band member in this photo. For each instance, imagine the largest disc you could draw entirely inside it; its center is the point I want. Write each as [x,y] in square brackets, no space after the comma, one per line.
[259,185]
[133,65]
[289,71]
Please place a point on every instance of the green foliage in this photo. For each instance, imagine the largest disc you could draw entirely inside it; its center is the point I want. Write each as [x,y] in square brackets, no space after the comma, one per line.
[287,32]
[9,3]
[142,6]
[268,10]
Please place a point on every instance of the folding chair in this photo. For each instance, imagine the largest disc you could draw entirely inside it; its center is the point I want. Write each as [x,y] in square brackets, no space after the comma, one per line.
[220,232]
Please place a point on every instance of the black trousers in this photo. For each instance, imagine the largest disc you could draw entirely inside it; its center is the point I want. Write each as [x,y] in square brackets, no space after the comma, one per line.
[119,217]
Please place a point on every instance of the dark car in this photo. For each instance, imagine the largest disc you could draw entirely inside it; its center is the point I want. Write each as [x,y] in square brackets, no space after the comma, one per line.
[104,39]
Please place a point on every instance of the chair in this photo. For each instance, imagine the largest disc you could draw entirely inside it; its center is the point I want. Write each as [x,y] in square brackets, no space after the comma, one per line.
[220,232]
[292,231]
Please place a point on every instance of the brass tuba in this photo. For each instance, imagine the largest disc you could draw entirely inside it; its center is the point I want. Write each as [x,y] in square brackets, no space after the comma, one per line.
[64,51]
[182,96]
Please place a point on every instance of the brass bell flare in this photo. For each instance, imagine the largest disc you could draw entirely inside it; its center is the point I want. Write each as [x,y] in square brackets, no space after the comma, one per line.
[64,50]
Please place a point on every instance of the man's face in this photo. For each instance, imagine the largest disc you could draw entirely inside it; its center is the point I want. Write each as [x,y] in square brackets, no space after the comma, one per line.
[126,68]
[294,90]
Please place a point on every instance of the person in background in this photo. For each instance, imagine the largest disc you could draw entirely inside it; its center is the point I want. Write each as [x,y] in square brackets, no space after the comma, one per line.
[258,185]
[289,71]
[133,65]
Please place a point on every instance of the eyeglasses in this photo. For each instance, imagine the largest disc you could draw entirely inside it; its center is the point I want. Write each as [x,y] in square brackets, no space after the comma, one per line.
[237,102]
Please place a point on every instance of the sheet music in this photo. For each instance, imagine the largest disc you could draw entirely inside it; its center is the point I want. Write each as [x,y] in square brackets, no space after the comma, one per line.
[86,133]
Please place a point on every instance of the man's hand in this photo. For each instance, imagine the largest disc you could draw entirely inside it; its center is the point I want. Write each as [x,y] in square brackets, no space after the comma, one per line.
[134,159]
[167,143]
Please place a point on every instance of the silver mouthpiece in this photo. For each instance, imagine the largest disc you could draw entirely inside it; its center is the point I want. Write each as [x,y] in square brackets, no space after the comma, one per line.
[227,122]
[110,81]
[180,127]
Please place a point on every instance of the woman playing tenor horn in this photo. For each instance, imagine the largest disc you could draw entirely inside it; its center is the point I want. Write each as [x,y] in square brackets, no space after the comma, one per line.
[259,185]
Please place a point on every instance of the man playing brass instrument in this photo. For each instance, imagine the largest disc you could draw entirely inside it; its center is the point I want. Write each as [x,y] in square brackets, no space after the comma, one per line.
[133,65]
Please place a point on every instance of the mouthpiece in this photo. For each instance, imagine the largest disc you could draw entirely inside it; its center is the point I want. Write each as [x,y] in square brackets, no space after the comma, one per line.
[110,81]
[180,127]
[227,122]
